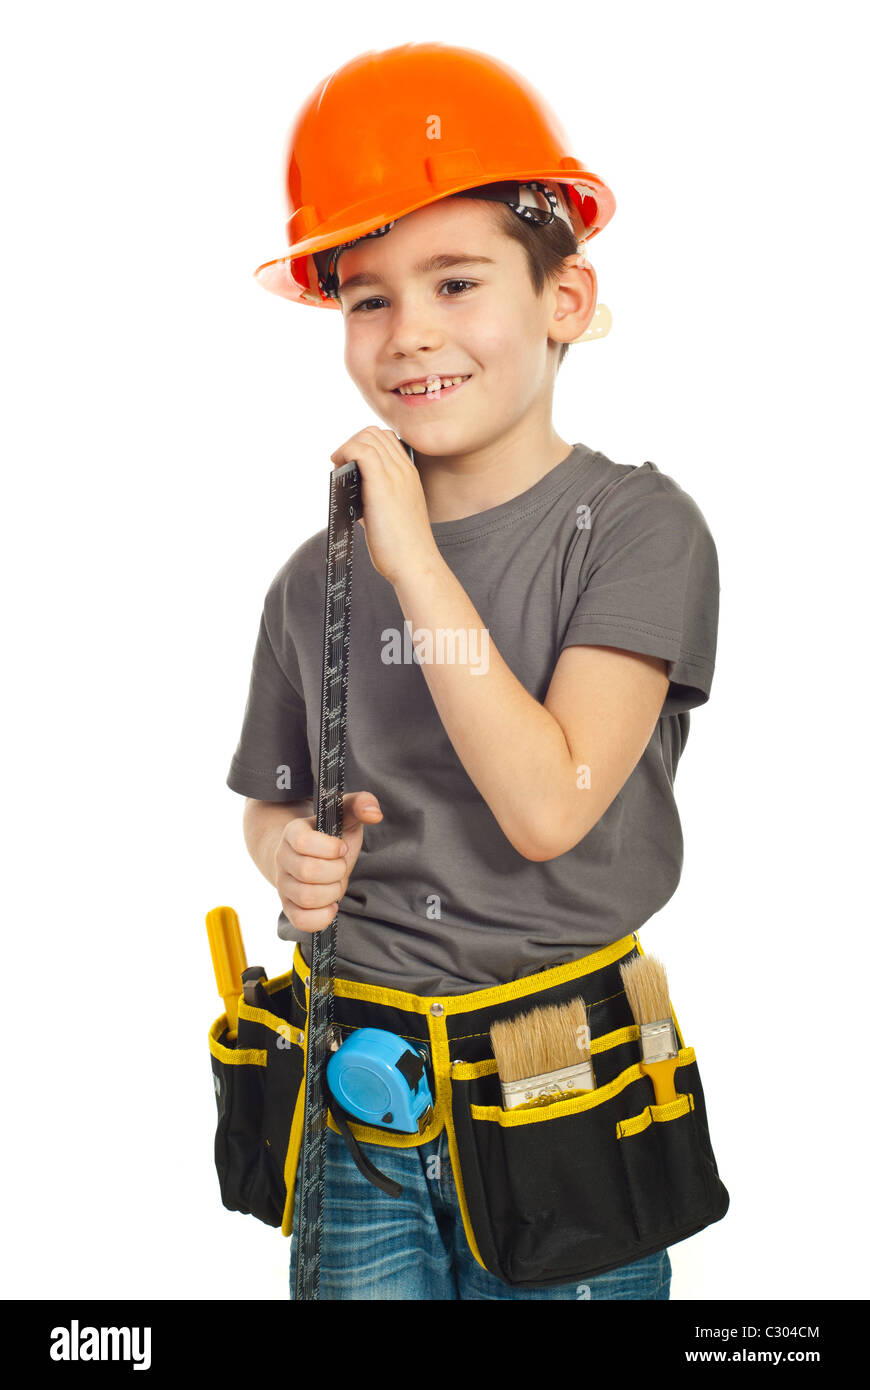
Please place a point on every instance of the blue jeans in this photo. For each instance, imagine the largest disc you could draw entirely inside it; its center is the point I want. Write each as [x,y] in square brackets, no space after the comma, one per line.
[414,1246]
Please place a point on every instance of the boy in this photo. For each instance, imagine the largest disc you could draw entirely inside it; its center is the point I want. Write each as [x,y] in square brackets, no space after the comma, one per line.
[511,806]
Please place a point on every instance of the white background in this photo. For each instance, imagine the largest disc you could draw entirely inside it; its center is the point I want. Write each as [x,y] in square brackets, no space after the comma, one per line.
[168,430]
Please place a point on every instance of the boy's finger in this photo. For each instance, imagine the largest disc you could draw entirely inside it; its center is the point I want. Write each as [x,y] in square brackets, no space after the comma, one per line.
[308,921]
[309,868]
[313,842]
[312,897]
[361,807]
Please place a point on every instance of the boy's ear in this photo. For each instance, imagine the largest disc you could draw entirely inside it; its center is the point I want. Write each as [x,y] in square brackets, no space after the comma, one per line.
[576,298]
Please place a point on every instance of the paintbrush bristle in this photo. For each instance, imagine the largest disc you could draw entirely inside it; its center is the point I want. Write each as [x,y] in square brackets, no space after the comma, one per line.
[646,986]
[541,1041]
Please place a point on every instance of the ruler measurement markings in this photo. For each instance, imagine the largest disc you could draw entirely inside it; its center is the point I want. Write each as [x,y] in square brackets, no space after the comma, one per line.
[344,506]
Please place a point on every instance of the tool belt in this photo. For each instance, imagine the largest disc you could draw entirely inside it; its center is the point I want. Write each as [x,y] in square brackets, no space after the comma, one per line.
[562,1191]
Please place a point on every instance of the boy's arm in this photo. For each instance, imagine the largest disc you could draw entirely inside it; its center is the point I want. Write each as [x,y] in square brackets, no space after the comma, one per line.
[526,759]
[607,702]
[264,823]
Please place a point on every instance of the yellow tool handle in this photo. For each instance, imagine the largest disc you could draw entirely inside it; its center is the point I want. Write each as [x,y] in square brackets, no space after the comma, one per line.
[228,959]
[661,1074]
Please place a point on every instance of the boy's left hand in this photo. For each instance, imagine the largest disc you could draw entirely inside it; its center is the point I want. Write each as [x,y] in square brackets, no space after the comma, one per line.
[398,534]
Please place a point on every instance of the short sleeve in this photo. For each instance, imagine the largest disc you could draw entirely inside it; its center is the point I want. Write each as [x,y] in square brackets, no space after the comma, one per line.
[649,582]
[272,760]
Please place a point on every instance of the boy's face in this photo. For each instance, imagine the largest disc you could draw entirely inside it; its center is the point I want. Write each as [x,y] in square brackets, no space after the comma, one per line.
[482,321]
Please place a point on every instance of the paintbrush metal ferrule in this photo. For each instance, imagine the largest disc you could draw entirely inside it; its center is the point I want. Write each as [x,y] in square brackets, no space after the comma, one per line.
[538,1090]
[658,1040]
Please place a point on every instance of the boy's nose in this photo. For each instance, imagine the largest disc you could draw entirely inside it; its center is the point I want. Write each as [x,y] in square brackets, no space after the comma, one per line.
[412,331]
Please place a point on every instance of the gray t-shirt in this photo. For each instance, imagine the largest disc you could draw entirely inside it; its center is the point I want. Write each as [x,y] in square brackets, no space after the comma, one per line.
[439,901]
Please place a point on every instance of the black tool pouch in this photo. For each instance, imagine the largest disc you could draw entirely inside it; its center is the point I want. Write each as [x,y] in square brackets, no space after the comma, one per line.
[258,1089]
[577,1187]
[557,1193]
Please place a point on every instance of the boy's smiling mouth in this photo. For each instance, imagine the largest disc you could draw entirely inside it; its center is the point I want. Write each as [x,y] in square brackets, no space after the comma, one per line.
[430,388]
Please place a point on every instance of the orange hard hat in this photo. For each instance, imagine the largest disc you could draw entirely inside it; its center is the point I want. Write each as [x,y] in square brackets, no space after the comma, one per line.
[392,131]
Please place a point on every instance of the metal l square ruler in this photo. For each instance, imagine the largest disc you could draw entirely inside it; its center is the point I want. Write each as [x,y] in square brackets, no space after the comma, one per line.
[345,505]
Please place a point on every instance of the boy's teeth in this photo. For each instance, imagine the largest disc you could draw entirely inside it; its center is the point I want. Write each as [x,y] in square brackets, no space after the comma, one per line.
[432,384]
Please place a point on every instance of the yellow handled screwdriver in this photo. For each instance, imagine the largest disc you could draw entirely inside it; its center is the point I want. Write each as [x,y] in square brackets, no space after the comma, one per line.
[228,959]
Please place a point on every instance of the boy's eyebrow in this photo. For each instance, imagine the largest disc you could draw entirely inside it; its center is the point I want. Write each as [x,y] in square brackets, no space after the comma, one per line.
[443,262]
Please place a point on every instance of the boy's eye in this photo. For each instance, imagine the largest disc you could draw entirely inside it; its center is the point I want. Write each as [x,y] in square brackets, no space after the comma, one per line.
[377,299]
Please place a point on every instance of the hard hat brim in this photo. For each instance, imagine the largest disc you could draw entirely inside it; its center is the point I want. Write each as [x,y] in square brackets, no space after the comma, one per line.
[276,276]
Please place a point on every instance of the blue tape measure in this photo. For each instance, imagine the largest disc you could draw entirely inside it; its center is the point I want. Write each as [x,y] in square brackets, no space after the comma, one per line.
[380,1079]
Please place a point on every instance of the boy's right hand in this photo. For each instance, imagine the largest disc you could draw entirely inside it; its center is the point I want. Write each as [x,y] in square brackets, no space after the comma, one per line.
[312,869]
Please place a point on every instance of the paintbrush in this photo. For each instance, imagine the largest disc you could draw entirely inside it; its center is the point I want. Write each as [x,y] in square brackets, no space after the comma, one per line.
[646,986]
[543,1055]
